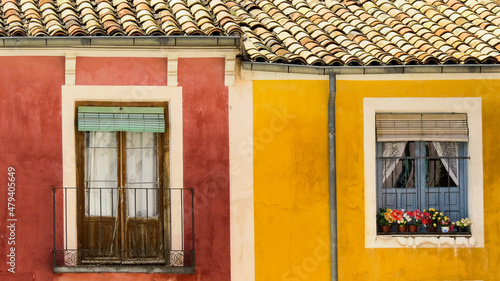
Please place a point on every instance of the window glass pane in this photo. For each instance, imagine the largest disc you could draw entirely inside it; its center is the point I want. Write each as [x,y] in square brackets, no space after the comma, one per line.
[101,179]
[398,164]
[142,174]
[441,164]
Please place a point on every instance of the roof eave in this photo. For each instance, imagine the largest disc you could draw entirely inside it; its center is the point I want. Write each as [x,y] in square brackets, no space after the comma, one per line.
[117,41]
[390,69]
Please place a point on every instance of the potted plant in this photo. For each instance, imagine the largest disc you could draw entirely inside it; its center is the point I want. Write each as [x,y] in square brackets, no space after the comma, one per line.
[425,218]
[445,223]
[463,225]
[401,219]
[385,220]
[433,219]
[414,220]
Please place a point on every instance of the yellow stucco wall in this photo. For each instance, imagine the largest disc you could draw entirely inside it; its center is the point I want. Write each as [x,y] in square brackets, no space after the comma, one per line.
[359,263]
[291,190]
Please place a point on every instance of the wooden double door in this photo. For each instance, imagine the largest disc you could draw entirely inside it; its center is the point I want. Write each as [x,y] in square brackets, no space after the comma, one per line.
[121,206]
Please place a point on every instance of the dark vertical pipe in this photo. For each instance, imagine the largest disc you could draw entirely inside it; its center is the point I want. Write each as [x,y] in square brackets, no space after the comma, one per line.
[333,176]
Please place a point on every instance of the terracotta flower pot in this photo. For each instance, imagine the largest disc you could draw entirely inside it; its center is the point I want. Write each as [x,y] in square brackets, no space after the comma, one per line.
[386,228]
[432,228]
[401,228]
[412,228]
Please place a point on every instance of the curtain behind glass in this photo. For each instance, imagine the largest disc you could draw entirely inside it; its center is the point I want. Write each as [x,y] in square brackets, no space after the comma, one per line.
[448,152]
[142,174]
[101,179]
[393,150]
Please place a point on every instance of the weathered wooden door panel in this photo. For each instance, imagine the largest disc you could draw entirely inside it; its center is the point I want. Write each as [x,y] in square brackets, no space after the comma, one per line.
[102,237]
[143,238]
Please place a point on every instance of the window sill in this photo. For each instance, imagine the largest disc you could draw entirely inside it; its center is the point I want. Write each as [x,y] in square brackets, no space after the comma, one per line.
[424,240]
[123,269]
[417,234]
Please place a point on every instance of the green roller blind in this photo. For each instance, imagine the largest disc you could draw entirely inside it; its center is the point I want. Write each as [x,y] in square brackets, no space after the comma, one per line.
[129,119]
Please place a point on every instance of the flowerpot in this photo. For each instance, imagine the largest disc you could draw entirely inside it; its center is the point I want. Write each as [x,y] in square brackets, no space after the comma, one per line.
[386,228]
[445,229]
[432,228]
[463,229]
[412,228]
[401,228]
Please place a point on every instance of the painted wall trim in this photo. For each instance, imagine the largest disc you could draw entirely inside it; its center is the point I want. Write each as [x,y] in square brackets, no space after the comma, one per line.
[172,62]
[241,157]
[70,69]
[71,94]
[391,69]
[230,70]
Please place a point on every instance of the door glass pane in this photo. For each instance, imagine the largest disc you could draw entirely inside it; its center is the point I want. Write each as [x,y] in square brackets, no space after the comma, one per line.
[101,178]
[142,174]
[441,164]
[398,164]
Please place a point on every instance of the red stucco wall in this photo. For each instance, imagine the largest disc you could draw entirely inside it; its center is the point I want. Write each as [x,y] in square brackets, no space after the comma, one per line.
[30,141]
[206,161]
[121,71]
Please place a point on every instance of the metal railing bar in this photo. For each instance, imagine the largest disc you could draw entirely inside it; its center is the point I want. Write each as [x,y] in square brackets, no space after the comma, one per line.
[54,253]
[170,188]
[147,216]
[66,217]
[422,157]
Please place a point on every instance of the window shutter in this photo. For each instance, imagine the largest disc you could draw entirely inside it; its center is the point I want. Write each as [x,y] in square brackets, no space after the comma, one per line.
[129,119]
[422,127]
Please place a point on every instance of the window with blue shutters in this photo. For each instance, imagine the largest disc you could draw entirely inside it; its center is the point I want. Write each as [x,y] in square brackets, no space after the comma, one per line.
[422,162]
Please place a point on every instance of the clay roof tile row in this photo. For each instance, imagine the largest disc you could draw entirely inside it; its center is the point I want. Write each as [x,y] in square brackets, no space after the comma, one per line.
[117,17]
[311,32]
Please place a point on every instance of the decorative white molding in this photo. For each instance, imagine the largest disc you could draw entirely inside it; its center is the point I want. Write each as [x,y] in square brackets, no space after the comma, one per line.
[70,69]
[72,94]
[172,71]
[230,69]
[241,181]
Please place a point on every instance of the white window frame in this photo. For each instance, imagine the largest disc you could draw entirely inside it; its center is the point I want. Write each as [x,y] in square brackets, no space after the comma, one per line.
[470,106]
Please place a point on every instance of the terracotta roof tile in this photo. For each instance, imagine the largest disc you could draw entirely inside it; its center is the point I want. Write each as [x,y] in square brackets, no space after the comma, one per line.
[329,32]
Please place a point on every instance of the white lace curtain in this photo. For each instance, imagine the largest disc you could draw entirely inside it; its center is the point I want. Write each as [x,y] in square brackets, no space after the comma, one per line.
[101,172]
[443,149]
[102,178]
[141,174]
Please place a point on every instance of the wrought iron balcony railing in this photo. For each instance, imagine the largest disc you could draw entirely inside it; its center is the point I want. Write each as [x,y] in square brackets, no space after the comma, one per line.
[123,230]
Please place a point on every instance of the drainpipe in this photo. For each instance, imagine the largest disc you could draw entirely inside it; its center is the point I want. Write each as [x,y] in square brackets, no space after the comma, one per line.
[333,176]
